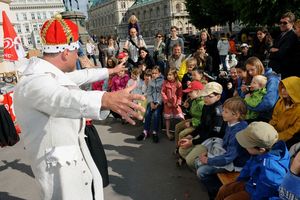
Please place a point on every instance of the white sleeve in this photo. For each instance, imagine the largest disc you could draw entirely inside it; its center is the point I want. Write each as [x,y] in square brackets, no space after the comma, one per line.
[44,93]
[81,77]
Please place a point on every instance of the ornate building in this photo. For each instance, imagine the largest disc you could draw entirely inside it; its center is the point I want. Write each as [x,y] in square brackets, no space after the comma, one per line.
[104,16]
[111,17]
[30,16]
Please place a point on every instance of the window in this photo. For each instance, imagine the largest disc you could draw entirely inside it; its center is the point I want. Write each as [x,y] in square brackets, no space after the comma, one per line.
[165,10]
[19,30]
[35,27]
[44,15]
[39,15]
[24,16]
[29,40]
[17,16]
[27,28]
[157,12]
[178,7]
[22,40]
[32,15]
[123,5]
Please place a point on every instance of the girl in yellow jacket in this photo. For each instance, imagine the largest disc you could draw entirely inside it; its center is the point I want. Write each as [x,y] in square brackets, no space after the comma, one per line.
[286,114]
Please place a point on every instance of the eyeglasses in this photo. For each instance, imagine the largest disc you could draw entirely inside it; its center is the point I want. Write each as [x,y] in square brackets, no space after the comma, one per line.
[159,36]
[283,23]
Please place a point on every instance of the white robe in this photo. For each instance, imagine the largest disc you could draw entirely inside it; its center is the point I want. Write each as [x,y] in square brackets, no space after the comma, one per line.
[50,109]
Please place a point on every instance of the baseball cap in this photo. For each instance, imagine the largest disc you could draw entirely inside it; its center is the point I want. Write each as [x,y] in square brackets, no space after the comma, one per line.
[244,45]
[257,134]
[122,55]
[194,85]
[212,87]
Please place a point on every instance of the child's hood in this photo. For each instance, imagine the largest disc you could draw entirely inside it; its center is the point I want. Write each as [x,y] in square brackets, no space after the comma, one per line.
[292,85]
[279,152]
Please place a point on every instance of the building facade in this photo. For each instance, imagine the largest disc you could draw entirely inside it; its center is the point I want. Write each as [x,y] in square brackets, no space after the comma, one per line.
[111,17]
[30,16]
[104,16]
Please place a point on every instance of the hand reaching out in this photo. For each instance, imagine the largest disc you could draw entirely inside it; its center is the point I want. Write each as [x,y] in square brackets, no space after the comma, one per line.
[122,103]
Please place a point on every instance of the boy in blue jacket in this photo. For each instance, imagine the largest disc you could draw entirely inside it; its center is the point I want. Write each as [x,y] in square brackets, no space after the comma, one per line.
[233,155]
[264,171]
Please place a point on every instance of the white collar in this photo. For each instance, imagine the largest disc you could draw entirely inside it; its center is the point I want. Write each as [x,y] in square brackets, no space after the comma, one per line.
[231,125]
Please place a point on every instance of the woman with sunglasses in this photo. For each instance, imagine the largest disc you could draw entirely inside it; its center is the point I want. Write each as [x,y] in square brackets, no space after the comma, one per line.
[282,50]
[159,51]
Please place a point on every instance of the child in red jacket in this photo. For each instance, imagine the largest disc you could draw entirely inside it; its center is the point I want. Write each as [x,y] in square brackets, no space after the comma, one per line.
[171,94]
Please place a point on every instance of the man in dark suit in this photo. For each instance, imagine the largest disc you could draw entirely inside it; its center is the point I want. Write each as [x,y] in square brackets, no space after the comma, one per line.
[280,53]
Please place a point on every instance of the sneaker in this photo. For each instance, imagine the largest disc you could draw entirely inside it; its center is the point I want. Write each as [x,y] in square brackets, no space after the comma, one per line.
[155,138]
[142,136]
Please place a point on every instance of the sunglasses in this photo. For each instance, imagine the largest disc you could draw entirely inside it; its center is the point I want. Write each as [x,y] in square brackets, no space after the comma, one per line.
[283,23]
[159,36]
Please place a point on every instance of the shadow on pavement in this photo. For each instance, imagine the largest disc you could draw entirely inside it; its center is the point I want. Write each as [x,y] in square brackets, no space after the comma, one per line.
[17,166]
[149,171]
[6,196]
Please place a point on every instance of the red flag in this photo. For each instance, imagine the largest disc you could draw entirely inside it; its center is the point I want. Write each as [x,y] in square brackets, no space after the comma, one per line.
[12,42]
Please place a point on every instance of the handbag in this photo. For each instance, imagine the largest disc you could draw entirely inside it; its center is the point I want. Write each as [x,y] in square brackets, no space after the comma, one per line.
[8,133]
[95,146]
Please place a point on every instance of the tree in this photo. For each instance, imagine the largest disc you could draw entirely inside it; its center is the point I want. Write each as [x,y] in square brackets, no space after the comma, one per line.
[263,12]
[249,12]
[207,13]
[199,15]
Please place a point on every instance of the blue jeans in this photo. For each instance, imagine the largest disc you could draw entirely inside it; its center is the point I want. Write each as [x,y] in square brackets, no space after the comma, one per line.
[148,117]
[205,171]
[223,62]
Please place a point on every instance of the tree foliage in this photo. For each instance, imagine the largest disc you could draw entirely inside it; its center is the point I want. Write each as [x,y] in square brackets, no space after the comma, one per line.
[249,12]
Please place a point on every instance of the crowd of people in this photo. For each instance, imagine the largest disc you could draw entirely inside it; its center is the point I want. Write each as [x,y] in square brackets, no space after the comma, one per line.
[238,105]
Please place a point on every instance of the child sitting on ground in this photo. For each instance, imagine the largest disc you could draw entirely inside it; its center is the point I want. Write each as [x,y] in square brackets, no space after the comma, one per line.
[154,105]
[286,114]
[224,154]
[265,170]
[185,127]
[258,91]
[197,75]
[187,77]
[171,94]
[212,125]
[290,187]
